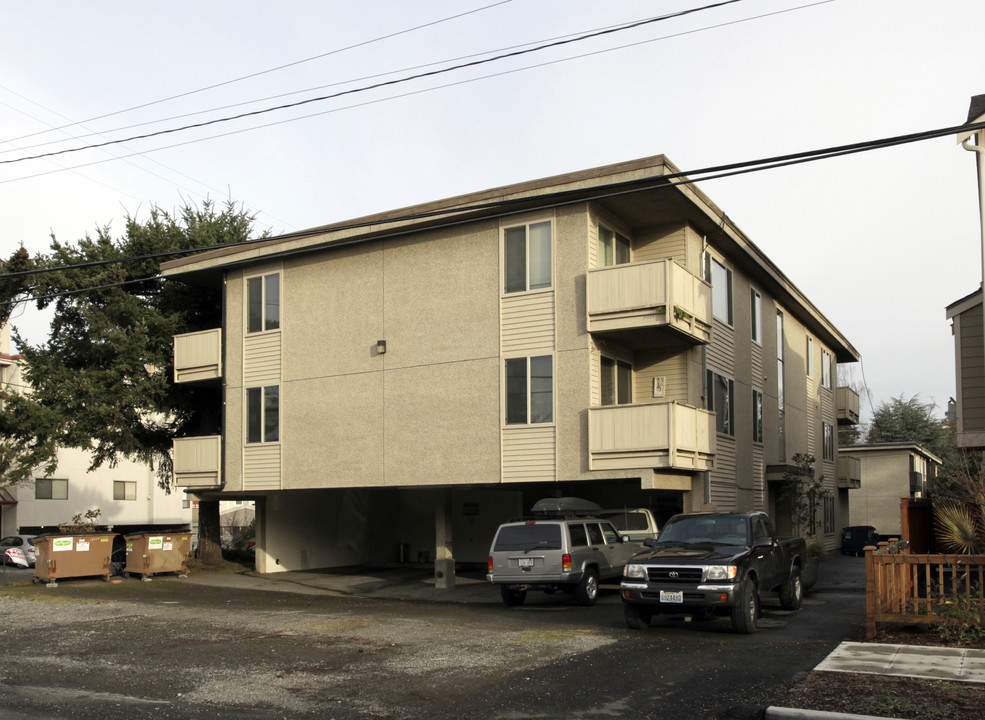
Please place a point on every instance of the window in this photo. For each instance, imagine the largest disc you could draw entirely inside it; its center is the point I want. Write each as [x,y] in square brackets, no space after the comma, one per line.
[829,515]
[721,291]
[527,257]
[757,416]
[124,490]
[828,439]
[617,382]
[530,390]
[720,395]
[263,414]
[756,310]
[810,356]
[50,489]
[578,536]
[826,369]
[263,303]
[613,248]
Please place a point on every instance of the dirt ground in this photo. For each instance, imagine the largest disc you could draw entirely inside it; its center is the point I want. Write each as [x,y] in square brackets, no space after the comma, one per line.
[896,697]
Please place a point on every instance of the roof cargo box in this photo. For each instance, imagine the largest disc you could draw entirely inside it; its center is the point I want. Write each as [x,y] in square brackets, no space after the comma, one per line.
[565,506]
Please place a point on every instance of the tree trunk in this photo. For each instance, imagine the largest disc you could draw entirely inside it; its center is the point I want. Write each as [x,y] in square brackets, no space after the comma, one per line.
[209,542]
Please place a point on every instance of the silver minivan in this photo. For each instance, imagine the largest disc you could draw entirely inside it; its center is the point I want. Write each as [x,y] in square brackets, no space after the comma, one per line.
[561,547]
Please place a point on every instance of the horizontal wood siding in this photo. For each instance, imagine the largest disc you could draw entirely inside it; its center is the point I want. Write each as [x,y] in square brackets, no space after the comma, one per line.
[721,351]
[262,359]
[197,461]
[972,375]
[262,467]
[656,245]
[529,454]
[759,477]
[527,323]
[672,369]
[723,486]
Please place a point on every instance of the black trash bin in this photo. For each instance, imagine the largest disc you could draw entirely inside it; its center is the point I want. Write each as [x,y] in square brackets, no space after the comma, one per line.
[854,539]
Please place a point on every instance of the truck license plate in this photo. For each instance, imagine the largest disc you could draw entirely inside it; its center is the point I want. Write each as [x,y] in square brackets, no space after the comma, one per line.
[529,563]
[672,597]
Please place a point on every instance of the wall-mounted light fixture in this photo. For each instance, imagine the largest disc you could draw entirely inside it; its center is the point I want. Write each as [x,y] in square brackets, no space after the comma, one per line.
[380,347]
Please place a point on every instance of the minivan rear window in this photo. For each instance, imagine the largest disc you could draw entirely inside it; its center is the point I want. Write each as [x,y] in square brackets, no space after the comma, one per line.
[546,536]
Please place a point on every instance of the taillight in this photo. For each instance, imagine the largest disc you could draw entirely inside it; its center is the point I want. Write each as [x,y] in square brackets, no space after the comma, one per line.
[490,564]
[566,562]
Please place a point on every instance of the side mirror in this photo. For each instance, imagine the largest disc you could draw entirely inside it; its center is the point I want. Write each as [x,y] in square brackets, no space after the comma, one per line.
[624,538]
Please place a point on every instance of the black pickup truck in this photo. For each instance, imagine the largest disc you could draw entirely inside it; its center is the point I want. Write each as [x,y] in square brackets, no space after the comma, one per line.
[713,563]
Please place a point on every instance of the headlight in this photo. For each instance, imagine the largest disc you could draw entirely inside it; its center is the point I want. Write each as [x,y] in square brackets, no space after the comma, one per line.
[721,572]
[637,572]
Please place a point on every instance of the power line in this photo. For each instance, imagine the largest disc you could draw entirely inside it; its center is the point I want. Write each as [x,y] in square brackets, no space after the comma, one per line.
[392,97]
[265,72]
[553,200]
[474,63]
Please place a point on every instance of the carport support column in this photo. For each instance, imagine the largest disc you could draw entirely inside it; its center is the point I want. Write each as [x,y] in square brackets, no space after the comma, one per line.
[444,557]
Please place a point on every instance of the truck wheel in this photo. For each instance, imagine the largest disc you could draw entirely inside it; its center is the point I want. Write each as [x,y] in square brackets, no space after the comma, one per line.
[587,590]
[745,608]
[636,617]
[512,597]
[792,591]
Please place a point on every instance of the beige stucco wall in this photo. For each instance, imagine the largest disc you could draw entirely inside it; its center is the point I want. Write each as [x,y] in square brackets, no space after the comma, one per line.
[885,479]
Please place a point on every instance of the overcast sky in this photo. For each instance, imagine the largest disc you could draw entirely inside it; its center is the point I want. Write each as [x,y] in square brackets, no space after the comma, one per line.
[880,241]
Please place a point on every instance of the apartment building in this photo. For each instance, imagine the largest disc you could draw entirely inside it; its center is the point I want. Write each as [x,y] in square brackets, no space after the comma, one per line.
[127,496]
[892,471]
[395,386]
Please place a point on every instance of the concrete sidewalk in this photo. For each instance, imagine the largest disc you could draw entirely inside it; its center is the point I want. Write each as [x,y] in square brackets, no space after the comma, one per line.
[934,663]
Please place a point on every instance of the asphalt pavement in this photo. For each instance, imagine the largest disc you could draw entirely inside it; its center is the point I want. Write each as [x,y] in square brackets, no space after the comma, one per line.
[839,577]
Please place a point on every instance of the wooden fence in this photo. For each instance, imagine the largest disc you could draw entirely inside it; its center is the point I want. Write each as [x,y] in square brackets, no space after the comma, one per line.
[906,588]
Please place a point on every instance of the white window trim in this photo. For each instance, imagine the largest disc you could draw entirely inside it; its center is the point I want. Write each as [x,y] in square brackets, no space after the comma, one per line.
[756,301]
[246,301]
[263,413]
[526,221]
[504,400]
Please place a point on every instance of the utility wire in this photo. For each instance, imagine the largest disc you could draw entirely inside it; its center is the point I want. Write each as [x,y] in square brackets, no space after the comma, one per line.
[474,63]
[553,199]
[265,72]
[391,97]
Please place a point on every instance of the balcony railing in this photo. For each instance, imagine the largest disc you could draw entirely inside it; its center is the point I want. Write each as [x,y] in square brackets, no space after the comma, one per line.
[653,294]
[198,461]
[847,406]
[849,472]
[669,436]
[198,356]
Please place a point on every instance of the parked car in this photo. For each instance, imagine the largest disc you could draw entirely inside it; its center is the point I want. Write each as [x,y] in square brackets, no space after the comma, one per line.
[562,546]
[713,563]
[638,523]
[17,550]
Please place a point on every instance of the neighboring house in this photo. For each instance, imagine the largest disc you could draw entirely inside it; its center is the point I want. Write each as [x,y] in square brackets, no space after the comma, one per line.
[127,495]
[396,386]
[892,470]
[969,370]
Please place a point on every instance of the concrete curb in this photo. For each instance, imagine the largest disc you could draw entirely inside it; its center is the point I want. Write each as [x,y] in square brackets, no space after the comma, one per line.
[782,713]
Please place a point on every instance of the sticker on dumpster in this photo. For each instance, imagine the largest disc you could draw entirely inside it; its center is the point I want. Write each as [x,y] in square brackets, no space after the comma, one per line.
[61,544]
[82,545]
[168,546]
[155,543]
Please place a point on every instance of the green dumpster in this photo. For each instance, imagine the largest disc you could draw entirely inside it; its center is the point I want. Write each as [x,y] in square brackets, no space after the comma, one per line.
[150,553]
[77,555]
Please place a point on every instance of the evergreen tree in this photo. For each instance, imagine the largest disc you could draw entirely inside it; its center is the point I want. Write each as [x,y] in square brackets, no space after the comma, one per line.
[102,381]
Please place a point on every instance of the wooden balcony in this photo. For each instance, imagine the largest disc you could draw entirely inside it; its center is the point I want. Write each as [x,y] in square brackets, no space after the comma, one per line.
[847,406]
[658,294]
[198,356]
[198,461]
[668,436]
[849,472]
